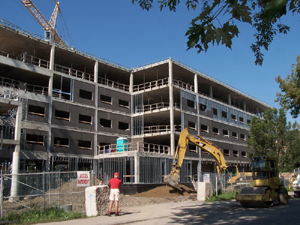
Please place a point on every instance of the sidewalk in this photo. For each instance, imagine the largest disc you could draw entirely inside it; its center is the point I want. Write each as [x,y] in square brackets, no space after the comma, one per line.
[134,214]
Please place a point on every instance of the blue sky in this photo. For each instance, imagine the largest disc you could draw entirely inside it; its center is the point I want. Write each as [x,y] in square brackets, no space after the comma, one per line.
[125,34]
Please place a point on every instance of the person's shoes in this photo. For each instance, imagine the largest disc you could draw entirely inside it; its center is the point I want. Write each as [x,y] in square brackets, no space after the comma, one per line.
[109,213]
[117,214]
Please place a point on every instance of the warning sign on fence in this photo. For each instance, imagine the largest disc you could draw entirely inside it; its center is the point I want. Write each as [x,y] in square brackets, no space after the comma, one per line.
[83,178]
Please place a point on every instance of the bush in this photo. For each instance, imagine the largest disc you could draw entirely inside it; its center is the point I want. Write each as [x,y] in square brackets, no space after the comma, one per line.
[221,197]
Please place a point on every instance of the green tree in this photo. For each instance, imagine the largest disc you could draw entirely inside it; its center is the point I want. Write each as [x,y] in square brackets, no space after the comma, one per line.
[217,21]
[273,136]
[289,98]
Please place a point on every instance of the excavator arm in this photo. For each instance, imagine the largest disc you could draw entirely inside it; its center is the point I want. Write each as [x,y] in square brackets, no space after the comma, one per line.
[184,138]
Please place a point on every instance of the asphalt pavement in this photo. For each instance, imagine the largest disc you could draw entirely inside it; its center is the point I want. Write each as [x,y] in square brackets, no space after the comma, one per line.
[197,212]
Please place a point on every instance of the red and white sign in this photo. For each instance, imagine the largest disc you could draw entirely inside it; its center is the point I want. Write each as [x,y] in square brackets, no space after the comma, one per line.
[83,178]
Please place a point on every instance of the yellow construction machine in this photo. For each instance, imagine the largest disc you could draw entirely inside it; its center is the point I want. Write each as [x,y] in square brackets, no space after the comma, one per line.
[237,176]
[267,186]
[184,138]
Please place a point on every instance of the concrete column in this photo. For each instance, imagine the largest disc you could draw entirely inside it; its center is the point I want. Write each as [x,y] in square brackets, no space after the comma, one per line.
[52,54]
[96,75]
[229,99]
[136,168]
[196,83]
[245,106]
[211,94]
[131,83]
[171,101]
[16,157]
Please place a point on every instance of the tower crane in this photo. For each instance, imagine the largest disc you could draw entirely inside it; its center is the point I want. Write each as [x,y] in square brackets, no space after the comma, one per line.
[50,32]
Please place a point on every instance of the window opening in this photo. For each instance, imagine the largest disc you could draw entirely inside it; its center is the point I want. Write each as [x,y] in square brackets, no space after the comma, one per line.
[84,144]
[85,119]
[123,104]
[105,99]
[204,128]
[34,139]
[241,120]
[226,152]
[234,134]
[105,123]
[243,137]
[244,154]
[233,117]
[202,107]
[190,103]
[192,148]
[235,153]
[86,94]
[124,126]
[215,130]
[61,142]
[225,133]
[215,111]
[224,114]
[192,125]
[36,110]
[62,115]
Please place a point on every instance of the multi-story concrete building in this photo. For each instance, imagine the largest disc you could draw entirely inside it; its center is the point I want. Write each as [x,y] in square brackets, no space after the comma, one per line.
[76,107]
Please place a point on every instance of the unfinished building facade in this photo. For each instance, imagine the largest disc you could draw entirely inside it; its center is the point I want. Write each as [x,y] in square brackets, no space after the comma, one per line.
[82,112]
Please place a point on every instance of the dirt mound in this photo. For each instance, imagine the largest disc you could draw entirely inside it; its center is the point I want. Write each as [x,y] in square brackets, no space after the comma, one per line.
[165,192]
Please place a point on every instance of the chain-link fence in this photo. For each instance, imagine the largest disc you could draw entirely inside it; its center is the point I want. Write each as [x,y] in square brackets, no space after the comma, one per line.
[43,190]
[222,183]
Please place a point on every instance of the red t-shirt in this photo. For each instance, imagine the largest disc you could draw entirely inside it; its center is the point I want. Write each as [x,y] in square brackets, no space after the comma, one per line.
[115,183]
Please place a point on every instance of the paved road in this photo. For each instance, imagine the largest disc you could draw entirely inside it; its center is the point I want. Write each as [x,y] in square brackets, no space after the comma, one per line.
[196,212]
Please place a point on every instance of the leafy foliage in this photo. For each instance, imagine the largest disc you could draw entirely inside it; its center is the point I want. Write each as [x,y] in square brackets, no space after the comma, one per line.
[215,23]
[273,136]
[290,87]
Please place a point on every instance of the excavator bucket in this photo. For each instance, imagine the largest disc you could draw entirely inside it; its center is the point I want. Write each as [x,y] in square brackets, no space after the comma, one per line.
[172,181]
[254,197]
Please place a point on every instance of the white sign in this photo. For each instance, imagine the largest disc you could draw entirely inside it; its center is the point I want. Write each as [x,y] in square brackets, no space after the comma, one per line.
[83,178]
[206,178]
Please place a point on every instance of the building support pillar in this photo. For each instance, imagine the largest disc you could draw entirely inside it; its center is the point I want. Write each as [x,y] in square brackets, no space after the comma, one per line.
[171,100]
[136,169]
[95,161]
[16,157]
[211,94]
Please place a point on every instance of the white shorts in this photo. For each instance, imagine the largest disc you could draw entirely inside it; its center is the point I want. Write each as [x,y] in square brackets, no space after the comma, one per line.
[114,195]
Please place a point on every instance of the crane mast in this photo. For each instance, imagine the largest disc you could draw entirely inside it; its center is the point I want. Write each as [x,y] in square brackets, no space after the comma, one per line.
[49,27]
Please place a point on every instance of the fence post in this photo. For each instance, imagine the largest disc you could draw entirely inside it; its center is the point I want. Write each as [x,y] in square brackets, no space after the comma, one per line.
[231,188]
[216,185]
[1,193]
[59,182]
[44,190]
[49,189]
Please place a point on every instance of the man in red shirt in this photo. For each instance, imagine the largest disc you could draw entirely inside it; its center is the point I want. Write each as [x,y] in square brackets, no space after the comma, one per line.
[115,184]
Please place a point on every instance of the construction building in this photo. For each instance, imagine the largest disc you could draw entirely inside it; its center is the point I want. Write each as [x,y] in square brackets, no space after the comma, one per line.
[82,112]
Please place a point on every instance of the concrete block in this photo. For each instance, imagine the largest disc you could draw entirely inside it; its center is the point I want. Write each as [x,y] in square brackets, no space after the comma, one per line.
[97,200]
[204,191]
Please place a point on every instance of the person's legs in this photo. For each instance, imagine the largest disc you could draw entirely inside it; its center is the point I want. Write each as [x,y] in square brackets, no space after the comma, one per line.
[110,206]
[116,207]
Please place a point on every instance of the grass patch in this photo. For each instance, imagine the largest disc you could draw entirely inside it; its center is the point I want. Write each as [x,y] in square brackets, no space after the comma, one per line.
[221,197]
[32,216]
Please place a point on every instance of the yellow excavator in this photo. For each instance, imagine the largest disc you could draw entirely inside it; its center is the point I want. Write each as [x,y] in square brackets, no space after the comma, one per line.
[267,186]
[206,145]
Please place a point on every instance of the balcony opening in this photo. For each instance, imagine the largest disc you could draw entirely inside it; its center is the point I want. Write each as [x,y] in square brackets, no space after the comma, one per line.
[202,107]
[241,120]
[233,117]
[224,114]
[190,104]
[192,148]
[244,154]
[234,135]
[225,133]
[215,111]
